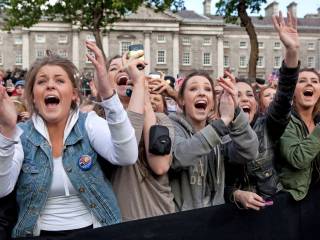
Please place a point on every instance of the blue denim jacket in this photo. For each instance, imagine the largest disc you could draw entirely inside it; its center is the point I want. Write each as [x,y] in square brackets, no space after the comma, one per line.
[36,175]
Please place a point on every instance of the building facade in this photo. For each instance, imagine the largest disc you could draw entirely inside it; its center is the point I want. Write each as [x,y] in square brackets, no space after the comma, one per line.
[176,44]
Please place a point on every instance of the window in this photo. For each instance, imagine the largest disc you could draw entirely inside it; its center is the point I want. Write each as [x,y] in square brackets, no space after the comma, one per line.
[226,44]
[226,61]
[161,38]
[63,38]
[161,57]
[277,62]
[260,76]
[207,41]
[186,40]
[90,37]
[311,62]
[18,40]
[39,53]
[311,46]
[40,38]
[1,39]
[186,58]
[124,47]
[1,58]
[63,53]
[243,44]
[277,45]
[260,44]
[243,62]
[19,58]
[260,62]
[206,60]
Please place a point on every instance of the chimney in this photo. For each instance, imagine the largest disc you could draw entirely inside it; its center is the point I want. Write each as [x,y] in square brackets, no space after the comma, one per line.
[292,7]
[207,7]
[271,9]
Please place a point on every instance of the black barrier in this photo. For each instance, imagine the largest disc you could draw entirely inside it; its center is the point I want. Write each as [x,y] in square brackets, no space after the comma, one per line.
[285,219]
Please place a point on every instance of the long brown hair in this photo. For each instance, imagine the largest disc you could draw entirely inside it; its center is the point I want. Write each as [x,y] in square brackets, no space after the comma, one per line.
[184,84]
[52,60]
[316,108]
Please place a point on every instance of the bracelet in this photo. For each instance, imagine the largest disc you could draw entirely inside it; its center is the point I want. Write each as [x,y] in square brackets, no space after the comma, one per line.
[104,99]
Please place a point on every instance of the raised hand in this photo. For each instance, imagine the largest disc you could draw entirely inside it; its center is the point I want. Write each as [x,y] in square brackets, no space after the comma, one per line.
[160,86]
[8,115]
[287,31]
[226,108]
[134,67]
[104,85]
[289,37]
[229,85]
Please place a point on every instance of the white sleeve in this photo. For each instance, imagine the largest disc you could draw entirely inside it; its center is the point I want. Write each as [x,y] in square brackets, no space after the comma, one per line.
[114,139]
[11,158]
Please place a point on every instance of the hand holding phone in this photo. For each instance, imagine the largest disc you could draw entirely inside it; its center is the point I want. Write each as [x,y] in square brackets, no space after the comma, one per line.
[137,51]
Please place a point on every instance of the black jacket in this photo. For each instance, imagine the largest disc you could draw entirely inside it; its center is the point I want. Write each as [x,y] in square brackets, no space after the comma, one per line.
[259,175]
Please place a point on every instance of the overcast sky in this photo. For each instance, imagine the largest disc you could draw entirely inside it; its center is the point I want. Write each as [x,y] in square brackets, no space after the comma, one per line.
[304,6]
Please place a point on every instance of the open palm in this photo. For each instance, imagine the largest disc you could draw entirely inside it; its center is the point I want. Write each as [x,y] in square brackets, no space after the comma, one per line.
[8,115]
[287,30]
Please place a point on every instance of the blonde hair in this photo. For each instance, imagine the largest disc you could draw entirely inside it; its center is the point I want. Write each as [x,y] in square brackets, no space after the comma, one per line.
[51,60]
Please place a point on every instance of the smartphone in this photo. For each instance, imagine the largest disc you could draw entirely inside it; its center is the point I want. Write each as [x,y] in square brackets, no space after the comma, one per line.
[154,75]
[135,50]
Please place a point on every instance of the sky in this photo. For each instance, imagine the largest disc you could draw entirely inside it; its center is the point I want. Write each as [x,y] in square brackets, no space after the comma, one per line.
[304,6]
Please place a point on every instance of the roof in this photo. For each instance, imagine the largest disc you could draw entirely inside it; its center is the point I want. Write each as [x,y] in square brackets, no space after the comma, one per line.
[189,14]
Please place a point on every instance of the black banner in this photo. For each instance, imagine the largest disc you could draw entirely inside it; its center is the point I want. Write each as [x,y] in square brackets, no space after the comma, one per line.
[285,219]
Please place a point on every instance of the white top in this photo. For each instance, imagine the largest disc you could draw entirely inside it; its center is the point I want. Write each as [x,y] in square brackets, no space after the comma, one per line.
[113,139]
[73,215]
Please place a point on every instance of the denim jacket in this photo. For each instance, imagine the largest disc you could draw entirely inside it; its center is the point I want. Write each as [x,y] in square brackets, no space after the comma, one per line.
[36,175]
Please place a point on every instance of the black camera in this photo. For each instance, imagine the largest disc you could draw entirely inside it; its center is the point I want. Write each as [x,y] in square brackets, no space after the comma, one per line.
[159,140]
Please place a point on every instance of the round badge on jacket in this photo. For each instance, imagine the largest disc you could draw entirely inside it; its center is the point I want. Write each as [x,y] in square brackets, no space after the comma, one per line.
[85,162]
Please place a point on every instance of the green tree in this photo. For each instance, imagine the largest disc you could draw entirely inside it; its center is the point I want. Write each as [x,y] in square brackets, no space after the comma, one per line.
[93,15]
[233,10]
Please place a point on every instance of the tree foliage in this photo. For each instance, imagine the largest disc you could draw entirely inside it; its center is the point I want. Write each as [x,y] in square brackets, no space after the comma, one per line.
[93,15]
[235,10]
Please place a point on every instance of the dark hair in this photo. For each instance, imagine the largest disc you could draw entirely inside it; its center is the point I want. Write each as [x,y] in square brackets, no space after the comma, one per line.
[316,108]
[201,74]
[51,60]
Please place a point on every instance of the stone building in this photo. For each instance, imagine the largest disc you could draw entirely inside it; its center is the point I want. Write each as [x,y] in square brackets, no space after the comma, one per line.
[174,43]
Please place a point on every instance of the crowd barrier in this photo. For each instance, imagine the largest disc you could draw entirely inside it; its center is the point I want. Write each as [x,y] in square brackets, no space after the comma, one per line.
[285,219]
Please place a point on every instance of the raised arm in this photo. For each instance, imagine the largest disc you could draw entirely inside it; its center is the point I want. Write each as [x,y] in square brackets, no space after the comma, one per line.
[278,113]
[119,145]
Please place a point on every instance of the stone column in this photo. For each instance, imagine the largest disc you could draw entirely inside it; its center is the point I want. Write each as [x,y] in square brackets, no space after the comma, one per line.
[147,51]
[220,67]
[25,50]
[175,55]
[75,47]
[105,44]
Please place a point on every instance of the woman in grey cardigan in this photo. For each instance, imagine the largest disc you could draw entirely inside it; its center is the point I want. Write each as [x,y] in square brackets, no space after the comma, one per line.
[197,172]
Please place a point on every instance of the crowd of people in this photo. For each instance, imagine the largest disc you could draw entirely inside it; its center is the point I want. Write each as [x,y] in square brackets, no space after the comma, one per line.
[69,162]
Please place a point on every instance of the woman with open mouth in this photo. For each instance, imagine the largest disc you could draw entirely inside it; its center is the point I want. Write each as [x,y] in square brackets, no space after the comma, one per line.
[254,186]
[299,145]
[197,176]
[52,158]
[142,189]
